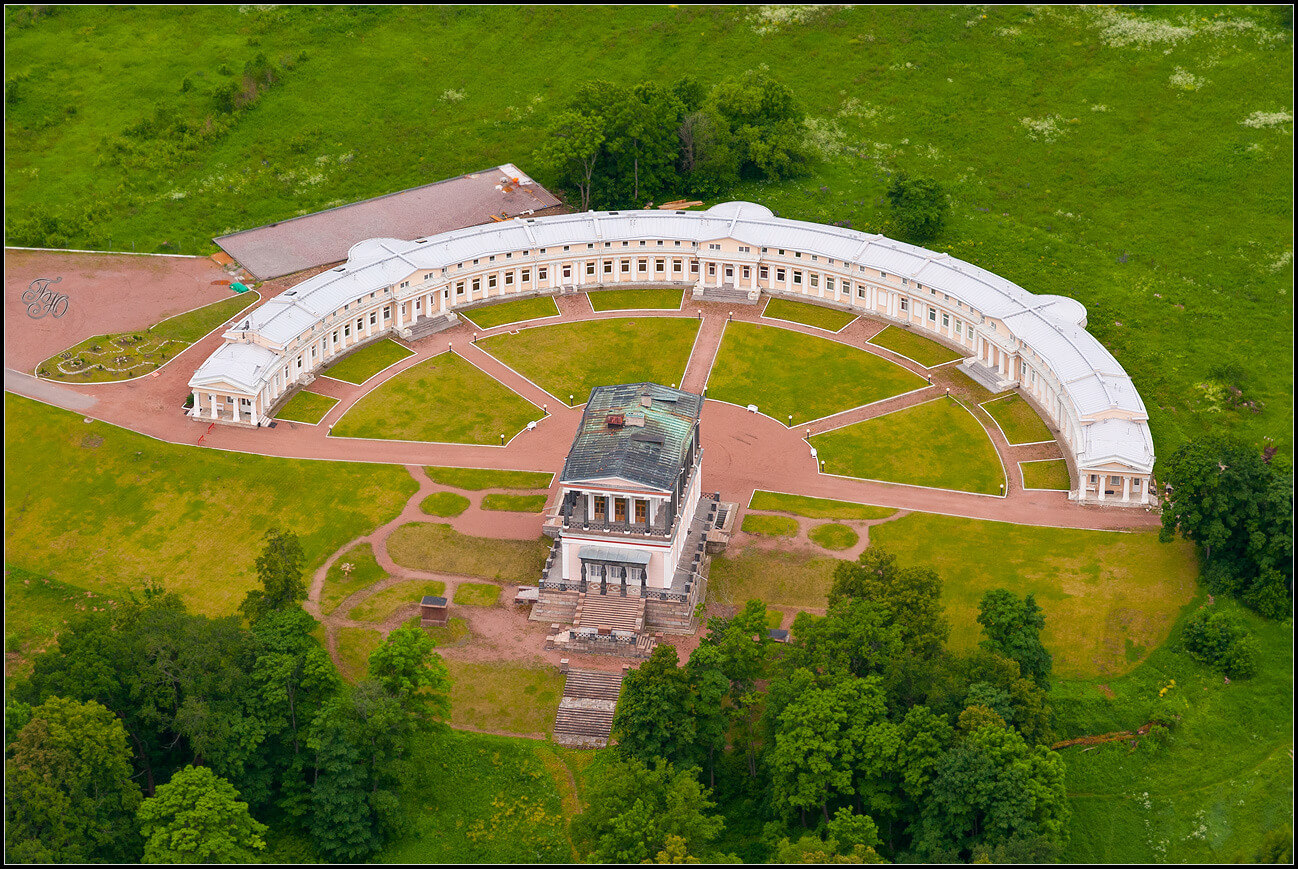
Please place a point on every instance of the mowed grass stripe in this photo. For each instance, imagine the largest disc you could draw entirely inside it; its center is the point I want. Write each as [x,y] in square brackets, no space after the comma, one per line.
[444,400]
[1048,474]
[521,310]
[815,508]
[369,360]
[477,479]
[642,299]
[937,444]
[914,347]
[829,319]
[307,407]
[573,358]
[785,372]
[1017,420]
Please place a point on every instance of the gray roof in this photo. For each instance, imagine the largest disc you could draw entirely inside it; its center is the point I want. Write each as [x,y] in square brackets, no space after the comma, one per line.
[650,454]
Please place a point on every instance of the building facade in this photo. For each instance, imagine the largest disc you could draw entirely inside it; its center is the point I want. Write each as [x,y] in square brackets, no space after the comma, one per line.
[1011,339]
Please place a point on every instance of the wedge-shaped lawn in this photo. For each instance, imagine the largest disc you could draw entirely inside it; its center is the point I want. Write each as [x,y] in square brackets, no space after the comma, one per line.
[791,580]
[364,363]
[491,316]
[914,347]
[937,444]
[784,372]
[573,358]
[829,319]
[644,299]
[1049,474]
[307,407]
[444,400]
[1017,420]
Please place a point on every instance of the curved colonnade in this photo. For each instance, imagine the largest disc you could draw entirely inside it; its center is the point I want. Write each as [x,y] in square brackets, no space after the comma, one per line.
[1011,338]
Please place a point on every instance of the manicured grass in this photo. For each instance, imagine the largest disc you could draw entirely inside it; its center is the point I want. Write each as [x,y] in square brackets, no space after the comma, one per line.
[831,535]
[491,316]
[808,314]
[338,585]
[1017,420]
[362,364]
[445,400]
[514,503]
[378,608]
[915,347]
[444,504]
[476,594]
[124,355]
[474,798]
[1108,597]
[1222,782]
[453,633]
[788,580]
[770,526]
[306,407]
[505,696]
[105,509]
[816,508]
[1050,474]
[937,444]
[644,299]
[784,372]
[36,608]
[436,547]
[477,479]
[355,645]
[573,358]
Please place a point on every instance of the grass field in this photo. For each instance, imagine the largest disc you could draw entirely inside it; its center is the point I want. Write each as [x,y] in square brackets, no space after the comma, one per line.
[444,400]
[1109,598]
[436,547]
[360,365]
[769,526]
[444,504]
[476,594]
[355,645]
[829,319]
[491,316]
[477,479]
[914,346]
[784,372]
[340,585]
[124,355]
[113,509]
[937,444]
[514,503]
[505,696]
[832,535]
[573,358]
[307,407]
[379,607]
[630,300]
[1017,420]
[1111,144]
[816,508]
[1050,474]
[1222,782]
[786,580]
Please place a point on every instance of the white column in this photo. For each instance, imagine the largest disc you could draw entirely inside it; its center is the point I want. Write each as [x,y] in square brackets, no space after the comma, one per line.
[198,406]
[252,411]
[212,395]
[1126,488]
[608,508]
[1104,484]
[235,405]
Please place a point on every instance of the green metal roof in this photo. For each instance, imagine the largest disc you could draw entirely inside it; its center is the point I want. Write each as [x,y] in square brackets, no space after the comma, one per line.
[647,445]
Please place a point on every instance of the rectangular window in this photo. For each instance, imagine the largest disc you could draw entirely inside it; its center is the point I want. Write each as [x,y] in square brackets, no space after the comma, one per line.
[676,266]
[590,268]
[608,268]
[599,506]
[747,272]
[641,511]
[644,265]
[526,276]
[660,265]
[932,315]
[815,279]
[491,282]
[374,317]
[694,268]
[946,321]
[860,291]
[763,273]
[626,266]
[567,272]
[387,313]
[905,304]
[797,277]
[779,274]
[829,284]
[619,509]
[540,273]
[509,279]
[712,269]
[477,284]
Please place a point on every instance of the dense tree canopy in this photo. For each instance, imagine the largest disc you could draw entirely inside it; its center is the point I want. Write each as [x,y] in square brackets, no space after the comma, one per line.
[279,567]
[197,818]
[918,207]
[1012,629]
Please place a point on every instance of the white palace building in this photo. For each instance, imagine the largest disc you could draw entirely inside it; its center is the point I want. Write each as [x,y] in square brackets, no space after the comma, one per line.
[1010,337]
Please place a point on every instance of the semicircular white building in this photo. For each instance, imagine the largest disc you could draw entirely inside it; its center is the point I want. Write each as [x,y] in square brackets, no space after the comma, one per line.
[1010,337]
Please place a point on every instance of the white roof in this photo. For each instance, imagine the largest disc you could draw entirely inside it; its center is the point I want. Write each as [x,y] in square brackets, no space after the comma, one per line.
[243,365]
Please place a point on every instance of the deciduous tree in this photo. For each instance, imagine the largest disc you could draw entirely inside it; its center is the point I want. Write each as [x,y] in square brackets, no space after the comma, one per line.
[197,817]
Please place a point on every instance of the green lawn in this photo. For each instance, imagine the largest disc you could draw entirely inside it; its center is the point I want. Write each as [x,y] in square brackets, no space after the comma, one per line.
[379,607]
[788,580]
[784,372]
[834,536]
[440,548]
[1049,474]
[642,299]
[477,479]
[360,365]
[444,504]
[35,609]
[476,798]
[307,407]
[340,585]
[937,444]
[1222,782]
[355,645]
[105,509]
[816,508]
[125,355]
[453,633]
[1017,420]
[514,503]
[503,696]
[770,526]
[573,358]
[491,316]
[476,594]
[915,347]
[444,400]
[829,319]
[1109,598]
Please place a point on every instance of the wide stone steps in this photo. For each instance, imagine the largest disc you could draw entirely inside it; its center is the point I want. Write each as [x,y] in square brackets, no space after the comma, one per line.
[726,294]
[587,709]
[610,611]
[592,685]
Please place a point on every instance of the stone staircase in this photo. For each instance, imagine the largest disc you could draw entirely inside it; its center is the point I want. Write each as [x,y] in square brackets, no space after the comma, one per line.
[426,326]
[586,711]
[612,612]
[556,607]
[726,294]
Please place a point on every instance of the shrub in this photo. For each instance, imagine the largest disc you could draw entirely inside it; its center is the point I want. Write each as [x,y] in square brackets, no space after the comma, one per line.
[1221,641]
